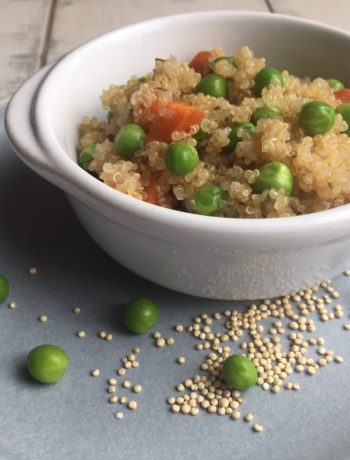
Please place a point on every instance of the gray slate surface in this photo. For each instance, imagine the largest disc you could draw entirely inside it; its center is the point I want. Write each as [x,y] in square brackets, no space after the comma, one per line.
[72,419]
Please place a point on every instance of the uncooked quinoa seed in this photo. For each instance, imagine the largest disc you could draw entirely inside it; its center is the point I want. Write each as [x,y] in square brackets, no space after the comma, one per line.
[258,428]
[274,362]
[160,342]
[132,405]
[249,417]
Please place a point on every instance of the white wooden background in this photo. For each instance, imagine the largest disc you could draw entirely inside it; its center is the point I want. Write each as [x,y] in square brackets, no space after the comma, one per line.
[34,32]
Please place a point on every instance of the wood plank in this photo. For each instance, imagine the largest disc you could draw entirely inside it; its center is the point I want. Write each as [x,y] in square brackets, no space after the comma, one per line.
[22,40]
[79,20]
[335,12]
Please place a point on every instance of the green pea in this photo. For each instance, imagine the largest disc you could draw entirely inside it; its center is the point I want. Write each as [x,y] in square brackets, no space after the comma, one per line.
[266,77]
[336,85]
[129,139]
[264,112]
[212,85]
[238,131]
[207,200]
[140,315]
[344,110]
[239,372]
[274,175]
[316,118]
[47,363]
[4,288]
[86,156]
[181,158]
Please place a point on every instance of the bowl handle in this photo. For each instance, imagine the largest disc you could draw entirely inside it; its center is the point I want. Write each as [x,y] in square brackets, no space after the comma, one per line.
[21,130]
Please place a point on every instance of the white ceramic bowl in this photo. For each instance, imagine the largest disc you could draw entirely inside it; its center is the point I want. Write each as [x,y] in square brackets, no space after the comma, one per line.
[199,255]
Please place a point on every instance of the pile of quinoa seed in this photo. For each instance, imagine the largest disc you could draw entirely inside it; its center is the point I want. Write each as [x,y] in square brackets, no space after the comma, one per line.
[277,335]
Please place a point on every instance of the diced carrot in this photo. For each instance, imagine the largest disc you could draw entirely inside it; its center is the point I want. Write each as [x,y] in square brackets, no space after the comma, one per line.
[343,95]
[170,117]
[151,190]
[201,61]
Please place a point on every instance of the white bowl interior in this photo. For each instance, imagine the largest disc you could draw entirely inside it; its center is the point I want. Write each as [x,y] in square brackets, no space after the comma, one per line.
[73,88]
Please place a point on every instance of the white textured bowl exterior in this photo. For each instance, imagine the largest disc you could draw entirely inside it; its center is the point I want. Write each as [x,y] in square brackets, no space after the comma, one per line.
[198,255]
[214,272]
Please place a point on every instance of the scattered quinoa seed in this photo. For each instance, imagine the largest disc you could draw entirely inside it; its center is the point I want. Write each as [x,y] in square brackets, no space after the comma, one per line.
[32,270]
[137,388]
[236,415]
[102,334]
[170,341]
[338,359]
[181,360]
[113,399]
[109,337]
[12,305]
[126,384]
[185,408]
[179,328]
[76,310]
[258,428]
[95,372]
[112,381]
[132,405]
[249,417]
[81,334]
[347,326]
[118,415]
[121,371]
[160,342]
[43,318]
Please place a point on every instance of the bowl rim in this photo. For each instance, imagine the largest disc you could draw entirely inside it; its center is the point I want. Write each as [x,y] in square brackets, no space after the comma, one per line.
[332,223]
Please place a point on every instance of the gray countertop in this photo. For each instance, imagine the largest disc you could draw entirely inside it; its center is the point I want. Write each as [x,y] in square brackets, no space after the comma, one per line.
[72,419]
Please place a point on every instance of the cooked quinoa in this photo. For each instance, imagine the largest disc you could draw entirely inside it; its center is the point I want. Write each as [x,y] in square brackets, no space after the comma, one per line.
[320,164]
